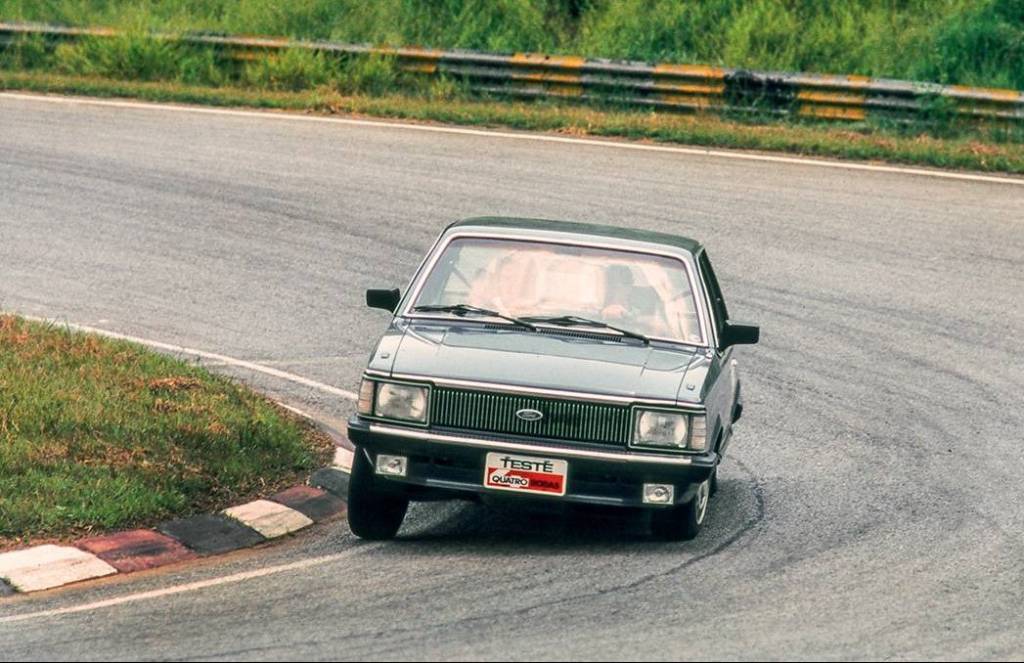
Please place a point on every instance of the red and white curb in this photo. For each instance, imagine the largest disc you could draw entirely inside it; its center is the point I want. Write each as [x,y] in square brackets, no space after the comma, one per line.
[242,526]
[268,518]
[49,566]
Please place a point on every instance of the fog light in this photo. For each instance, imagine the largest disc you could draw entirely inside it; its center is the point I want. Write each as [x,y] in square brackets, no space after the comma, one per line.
[393,466]
[659,493]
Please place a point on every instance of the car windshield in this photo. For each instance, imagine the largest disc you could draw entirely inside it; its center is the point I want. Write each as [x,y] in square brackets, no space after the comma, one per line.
[646,294]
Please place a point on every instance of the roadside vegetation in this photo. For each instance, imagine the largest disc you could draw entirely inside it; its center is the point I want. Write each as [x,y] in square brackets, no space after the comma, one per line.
[968,42]
[99,435]
[974,42]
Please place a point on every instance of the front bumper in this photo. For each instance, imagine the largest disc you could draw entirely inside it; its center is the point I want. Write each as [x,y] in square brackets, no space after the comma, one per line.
[452,462]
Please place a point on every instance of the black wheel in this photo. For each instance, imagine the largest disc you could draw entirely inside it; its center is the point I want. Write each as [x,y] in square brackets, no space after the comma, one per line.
[714,481]
[683,522]
[374,512]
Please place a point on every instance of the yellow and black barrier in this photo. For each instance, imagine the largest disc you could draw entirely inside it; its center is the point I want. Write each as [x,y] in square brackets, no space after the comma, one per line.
[678,87]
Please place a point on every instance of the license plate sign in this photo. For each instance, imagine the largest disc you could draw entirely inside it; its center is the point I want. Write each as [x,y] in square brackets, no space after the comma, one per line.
[525,474]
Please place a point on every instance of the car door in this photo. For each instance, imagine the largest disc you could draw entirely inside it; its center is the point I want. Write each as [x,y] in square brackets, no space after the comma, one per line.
[721,399]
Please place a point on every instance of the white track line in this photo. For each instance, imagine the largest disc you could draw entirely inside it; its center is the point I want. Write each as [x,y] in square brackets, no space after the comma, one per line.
[179,589]
[230,361]
[546,138]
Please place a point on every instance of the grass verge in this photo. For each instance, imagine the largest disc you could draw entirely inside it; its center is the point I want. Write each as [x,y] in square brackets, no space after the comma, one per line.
[983,152]
[101,435]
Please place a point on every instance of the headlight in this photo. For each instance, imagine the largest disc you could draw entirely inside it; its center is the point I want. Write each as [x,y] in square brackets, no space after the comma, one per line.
[655,428]
[671,430]
[401,401]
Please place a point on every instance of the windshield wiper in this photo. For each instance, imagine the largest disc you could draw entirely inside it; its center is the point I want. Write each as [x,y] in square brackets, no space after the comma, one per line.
[577,321]
[467,309]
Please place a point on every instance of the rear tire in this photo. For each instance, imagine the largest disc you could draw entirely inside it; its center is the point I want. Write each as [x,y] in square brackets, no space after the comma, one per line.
[374,513]
[683,523]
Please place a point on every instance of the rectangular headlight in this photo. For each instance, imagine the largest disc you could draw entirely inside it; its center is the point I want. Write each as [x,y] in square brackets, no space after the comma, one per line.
[660,428]
[670,430]
[406,402]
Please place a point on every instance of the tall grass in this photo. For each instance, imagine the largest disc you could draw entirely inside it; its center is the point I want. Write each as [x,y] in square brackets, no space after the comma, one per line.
[134,56]
[131,56]
[973,42]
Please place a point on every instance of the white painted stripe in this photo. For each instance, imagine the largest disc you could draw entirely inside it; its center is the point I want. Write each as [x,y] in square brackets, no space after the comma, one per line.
[269,518]
[230,361]
[190,587]
[295,410]
[547,138]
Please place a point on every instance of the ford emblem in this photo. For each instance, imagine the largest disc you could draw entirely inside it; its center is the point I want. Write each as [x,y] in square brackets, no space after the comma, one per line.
[526,414]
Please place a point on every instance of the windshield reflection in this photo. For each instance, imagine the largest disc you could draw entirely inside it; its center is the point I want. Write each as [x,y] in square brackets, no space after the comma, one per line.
[647,294]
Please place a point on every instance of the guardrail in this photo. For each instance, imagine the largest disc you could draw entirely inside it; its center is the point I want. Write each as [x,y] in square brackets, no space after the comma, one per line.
[679,87]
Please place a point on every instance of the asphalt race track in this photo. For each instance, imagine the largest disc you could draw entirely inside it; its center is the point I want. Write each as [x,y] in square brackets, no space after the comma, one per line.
[872,505]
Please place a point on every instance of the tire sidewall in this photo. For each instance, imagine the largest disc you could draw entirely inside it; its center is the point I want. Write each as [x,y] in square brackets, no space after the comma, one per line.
[684,522]
[373,513]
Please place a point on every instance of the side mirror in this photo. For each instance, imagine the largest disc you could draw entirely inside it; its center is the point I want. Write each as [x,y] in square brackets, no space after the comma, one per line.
[735,333]
[385,299]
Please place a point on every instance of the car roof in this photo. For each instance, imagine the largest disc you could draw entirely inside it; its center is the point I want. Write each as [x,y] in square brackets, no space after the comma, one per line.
[590,229]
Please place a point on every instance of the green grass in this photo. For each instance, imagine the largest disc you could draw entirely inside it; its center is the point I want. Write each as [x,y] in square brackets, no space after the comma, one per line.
[100,435]
[133,56]
[989,150]
[970,42]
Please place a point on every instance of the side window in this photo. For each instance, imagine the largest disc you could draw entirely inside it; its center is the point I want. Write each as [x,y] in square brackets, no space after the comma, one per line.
[718,307]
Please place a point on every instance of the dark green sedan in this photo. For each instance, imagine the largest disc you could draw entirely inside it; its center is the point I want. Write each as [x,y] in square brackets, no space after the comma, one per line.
[547,360]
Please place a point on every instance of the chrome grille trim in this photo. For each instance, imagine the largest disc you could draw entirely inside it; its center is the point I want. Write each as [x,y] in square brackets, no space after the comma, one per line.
[564,419]
[537,391]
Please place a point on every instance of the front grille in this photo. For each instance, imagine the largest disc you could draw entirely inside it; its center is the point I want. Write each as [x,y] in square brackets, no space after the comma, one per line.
[564,419]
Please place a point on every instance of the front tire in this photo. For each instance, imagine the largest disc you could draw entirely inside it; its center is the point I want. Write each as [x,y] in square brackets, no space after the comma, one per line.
[683,523]
[374,513]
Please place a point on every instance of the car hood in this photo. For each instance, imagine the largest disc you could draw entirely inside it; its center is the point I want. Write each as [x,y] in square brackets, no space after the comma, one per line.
[512,356]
